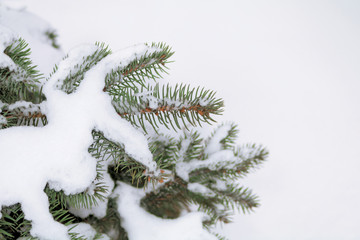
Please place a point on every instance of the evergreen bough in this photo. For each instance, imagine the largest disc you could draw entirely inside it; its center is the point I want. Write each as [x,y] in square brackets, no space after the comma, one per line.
[186,162]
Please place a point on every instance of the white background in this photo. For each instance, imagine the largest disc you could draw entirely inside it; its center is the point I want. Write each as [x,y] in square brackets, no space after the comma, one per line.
[289,74]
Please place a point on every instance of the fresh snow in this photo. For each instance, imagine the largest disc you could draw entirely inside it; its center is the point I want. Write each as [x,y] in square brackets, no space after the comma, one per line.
[33,29]
[216,156]
[26,107]
[213,144]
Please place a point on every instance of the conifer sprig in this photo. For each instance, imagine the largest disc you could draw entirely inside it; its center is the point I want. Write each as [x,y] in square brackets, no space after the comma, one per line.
[111,223]
[227,141]
[165,150]
[236,197]
[30,115]
[168,201]
[81,200]
[122,166]
[52,35]
[19,52]
[104,149]
[23,82]
[70,83]
[194,146]
[246,158]
[174,107]
[207,176]
[13,224]
[150,65]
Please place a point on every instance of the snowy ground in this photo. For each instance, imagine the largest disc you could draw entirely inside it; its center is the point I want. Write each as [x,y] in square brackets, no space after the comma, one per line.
[288,72]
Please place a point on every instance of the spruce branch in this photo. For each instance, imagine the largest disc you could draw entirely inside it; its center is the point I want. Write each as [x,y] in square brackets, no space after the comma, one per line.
[86,199]
[224,136]
[23,81]
[122,166]
[252,156]
[172,198]
[149,65]
[174,107]
[12,90]
[220,237]
[111,223]
[104,149]
[165,150]
[235,196]
[190,146]
[245,158]
[22,113]
[83,199]
[52,35]
[59,209]
[19,52]
[201,171]
[13,224]
[169,200]
[72,80]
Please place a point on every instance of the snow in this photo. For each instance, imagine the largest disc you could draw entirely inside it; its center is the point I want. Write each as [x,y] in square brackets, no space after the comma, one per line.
[26,107]
[216,157]
[97,104]
[83,229]
[221,159]
[198,188]
[98,210]
[6,38]
[2,118]
[187,227]
[57,153]
[72,60]
[220,185]
[33,29]
[86,231]
[214,144]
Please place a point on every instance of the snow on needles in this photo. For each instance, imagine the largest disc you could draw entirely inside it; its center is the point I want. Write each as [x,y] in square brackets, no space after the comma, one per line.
[2,118]
[7,37]
[216,156]
[86,231]
[188,227]
[57,153]
[214,145]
